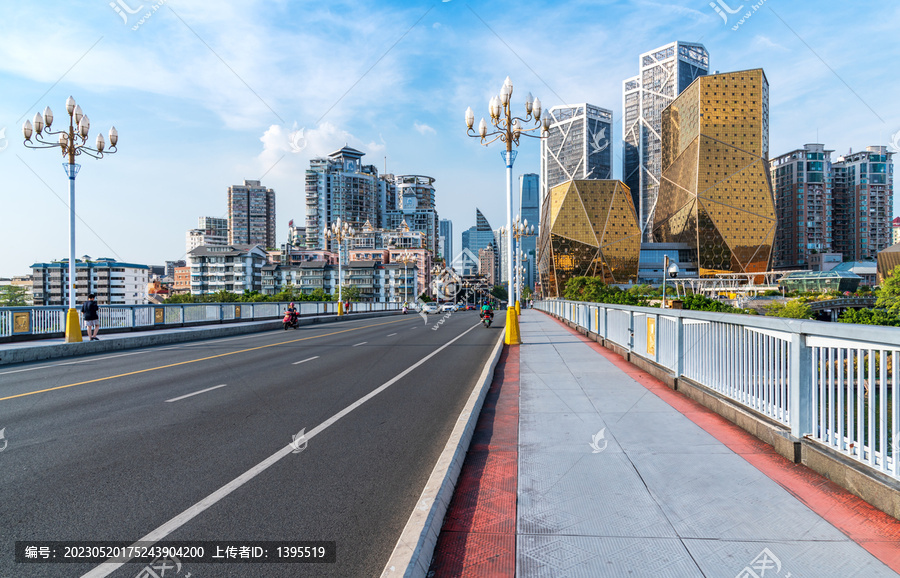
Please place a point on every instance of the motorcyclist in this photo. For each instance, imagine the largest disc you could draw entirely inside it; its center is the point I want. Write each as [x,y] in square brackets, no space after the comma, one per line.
[292,311]
[486,309]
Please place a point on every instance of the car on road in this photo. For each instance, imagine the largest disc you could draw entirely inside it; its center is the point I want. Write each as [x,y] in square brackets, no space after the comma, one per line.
[430,308]
[448,307]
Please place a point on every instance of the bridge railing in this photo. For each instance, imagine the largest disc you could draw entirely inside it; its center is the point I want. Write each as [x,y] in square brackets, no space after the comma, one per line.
[836,383]
[48,320]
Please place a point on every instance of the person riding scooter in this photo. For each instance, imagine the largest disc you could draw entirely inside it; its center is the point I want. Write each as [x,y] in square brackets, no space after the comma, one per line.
[291,317]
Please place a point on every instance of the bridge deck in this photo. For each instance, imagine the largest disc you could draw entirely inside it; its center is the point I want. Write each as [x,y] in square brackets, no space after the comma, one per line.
[619,475]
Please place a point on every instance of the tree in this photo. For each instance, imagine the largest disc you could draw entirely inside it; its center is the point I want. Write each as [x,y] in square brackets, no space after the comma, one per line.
[794,309]
[526,293]
[349,293]
[499,291]
[870,317]
[889,294]
[12,296]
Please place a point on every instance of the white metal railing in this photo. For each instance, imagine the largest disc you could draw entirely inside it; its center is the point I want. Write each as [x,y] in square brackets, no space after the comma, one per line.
[49,320]
[836,383]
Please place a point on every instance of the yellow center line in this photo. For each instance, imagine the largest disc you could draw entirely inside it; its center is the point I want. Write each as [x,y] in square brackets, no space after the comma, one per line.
[196,360]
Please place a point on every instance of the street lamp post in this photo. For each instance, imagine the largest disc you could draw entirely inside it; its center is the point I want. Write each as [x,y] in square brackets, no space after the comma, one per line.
[339,231]
[520,229]
[508,130]
[68,142]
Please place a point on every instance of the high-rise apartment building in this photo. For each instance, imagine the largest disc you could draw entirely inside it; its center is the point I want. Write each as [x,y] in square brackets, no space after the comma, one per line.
[446,236]
[251,215]
[113,282]
[579,145]
[415,205]
[664,73]
[340,186]
[863,203]
[487,264]
[210,231]
[715,194]
[802,183]
[529,193]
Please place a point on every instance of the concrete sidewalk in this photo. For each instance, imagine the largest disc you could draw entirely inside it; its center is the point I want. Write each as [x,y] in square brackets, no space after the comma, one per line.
[618,475]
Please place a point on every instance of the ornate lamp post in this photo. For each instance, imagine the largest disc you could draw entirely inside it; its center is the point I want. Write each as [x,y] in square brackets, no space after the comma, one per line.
[406,259]
[71,142]
[339,232]
[509,129]
[520,229]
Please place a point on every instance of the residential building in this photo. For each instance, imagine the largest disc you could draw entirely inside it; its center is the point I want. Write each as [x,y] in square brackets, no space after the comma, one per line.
[487,263]
[23,281]
[663,74]
[715,194]
[171,265]
[232,268]
[578,146]
[251,215]
[801,180]
[339,186]
[275,278]
[446,237]
[863,203]
[895,231]
[530,195]
[415,206]
[113,282]
[589,228]
[182,278]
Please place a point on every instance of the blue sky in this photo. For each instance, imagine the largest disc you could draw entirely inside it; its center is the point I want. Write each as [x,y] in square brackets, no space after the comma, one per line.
[206,94]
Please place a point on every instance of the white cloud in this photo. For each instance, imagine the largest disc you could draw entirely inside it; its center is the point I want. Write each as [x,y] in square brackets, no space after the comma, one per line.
[423,128]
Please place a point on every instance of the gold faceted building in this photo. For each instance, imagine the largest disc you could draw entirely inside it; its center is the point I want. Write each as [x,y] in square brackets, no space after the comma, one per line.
[588,228]
[715,193]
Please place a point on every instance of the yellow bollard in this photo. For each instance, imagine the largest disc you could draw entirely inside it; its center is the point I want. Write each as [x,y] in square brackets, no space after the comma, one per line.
[512,328]
[340,308]
[518,309]
[73,327]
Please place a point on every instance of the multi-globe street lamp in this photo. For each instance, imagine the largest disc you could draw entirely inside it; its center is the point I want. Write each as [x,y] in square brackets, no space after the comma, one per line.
[520,229]
[339,232]
[406,259]
[508,129]
[68,142]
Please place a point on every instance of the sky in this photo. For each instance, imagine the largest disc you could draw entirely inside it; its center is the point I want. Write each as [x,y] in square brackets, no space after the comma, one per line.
[207,94]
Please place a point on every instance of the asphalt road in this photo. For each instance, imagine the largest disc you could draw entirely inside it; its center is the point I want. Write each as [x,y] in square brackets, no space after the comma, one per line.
[114,447]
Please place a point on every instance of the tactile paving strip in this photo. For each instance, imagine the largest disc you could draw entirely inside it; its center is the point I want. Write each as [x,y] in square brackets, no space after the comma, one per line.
[478,537]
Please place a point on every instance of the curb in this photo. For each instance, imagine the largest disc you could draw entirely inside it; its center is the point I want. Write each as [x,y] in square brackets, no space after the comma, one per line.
[61,350]
[415,547]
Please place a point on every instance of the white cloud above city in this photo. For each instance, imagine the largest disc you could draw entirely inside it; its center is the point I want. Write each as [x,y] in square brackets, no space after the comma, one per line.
[207,95]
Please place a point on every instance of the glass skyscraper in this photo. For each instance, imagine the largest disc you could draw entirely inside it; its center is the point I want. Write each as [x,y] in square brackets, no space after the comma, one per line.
[446,236]
[579,145]
[529,190]
[664,73]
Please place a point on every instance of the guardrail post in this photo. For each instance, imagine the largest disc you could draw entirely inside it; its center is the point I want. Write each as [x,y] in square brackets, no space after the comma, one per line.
[800,387]
[679,347]
[630,331]
[133,307]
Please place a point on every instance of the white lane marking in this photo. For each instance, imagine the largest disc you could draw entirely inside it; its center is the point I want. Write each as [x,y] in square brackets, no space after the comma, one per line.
[196,393]
[358,344]
[93,359]
[305,360]
[392,334]
[107,568]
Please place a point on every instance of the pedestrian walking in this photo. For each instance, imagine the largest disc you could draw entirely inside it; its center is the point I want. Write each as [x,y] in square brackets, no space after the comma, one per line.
[90,312]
